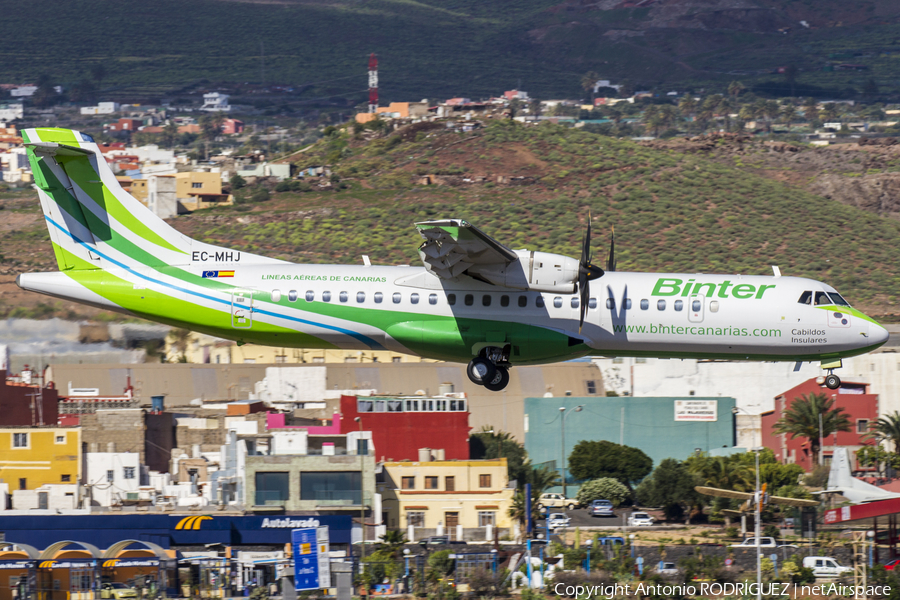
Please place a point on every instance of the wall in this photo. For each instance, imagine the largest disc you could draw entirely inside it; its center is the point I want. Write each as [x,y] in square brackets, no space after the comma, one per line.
[51,454]
[16,402]
[108,493]
[645,423]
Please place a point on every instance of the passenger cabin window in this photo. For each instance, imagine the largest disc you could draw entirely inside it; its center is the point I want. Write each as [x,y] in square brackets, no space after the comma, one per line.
[539,302]
[451,299]
[627,303]
[611,303]
[557,302]
[360,297]
[523,301]
[396,297]
[292,296]
[432,298]
[326,296]
[714,306]
[469,299]
[679,304]
[414,298]
[661,305]
[592,303]
[310,295]
[805,297]
[486,300]
[574,302]
[645,304]
[343,296]
[822,299]
[378,297]
[696,305]
[504,300]
[276,295]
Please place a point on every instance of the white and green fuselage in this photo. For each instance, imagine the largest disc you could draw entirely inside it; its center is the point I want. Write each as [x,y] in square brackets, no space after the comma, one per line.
[115,253]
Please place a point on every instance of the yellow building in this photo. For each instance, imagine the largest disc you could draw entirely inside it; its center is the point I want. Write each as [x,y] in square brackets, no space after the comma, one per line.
[205,349]
[34,456]
[200,189]
[458,498]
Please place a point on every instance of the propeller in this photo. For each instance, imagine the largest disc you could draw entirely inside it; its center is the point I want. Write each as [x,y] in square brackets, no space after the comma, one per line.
[611,261]
[586,273]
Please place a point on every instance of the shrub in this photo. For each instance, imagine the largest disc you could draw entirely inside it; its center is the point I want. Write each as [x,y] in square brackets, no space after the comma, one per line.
[605,488]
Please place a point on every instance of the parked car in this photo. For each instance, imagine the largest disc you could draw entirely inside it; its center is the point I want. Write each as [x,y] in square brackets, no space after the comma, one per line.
[551,500]
[602,508]
[117,591]
[667,568]
[640,519]
[439,540]
[765,542]
[825,566]
[557,520]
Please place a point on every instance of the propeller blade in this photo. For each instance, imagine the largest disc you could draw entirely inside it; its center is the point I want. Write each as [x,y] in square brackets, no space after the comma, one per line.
[611,261]
[584,287]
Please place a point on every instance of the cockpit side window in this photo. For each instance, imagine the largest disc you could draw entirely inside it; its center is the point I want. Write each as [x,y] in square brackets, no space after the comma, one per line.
[805,297]
[838,299]
[822,299]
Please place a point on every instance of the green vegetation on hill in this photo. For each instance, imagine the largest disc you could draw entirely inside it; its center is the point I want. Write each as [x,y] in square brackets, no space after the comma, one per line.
[671,211]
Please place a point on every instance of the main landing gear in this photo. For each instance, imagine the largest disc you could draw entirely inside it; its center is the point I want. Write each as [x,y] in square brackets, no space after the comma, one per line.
[490,368]
[832,381]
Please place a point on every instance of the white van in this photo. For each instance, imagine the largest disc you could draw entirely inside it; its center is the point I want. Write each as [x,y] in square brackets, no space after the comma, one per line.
[825,566]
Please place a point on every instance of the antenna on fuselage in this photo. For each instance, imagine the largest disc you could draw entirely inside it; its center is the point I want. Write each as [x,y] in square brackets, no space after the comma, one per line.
[776,271]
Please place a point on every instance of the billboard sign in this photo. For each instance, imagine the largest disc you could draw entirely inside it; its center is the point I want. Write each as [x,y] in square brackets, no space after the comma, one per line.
[312,570]
[696,410]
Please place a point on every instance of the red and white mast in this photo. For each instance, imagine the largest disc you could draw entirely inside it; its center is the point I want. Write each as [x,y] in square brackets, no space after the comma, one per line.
[373,83]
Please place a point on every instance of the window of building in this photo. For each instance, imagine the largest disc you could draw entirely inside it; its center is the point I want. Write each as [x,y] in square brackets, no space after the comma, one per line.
[450,484]
[395,405]
[325,486]
[378,297]
[415,518]
[412,406]
[61,438]
[20,440]
[407,483]
[431,482]
[343,296]
[414,298]
[23,483]
[66,478]
[272,487]
[469,300]
[557,302]
[504,300]
[523,301]
[679,304]
[862,426]
[196,185]
[128,472]
[618,360]
[326,296]
[451,299]
[640,361]
[360,297]
[484,480]
[310,295]
[110,475]
[457,405]
[591,387]
[486,517]
[292,295]
[396,359]
[396,297]
[486,300]
[364,406]
[432,299]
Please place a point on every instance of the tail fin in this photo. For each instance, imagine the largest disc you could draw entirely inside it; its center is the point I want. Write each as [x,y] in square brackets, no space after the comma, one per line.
[840,475]
[93,222]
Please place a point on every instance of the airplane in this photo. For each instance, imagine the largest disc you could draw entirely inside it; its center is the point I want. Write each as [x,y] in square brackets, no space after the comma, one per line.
[474,301]
[750,498]
[841,481]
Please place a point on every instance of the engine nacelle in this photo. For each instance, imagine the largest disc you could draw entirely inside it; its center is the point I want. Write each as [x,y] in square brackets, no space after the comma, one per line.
[536,271]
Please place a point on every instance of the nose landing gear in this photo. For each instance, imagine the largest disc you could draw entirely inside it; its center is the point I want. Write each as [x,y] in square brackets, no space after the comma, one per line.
[832,381]
[490,368]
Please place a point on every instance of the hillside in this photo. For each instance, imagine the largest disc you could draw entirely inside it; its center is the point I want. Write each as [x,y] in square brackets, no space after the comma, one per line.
[440,48]
[724,209]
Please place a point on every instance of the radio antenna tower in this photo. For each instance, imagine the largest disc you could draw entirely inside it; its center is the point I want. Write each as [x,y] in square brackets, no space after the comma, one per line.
[373,83]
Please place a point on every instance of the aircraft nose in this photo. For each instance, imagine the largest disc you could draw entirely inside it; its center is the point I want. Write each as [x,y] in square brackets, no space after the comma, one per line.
[878,334]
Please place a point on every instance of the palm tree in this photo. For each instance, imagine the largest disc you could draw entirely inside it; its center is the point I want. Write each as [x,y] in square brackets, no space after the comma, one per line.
[886,429]
[789,113]
[541,479]
[392,542]
[801,419]
[722,472]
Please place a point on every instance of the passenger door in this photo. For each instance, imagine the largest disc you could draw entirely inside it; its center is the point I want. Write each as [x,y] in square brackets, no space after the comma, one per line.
[242,309]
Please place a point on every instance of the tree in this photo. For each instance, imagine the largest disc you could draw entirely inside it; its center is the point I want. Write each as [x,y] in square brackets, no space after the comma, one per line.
[886,429]
[790,75]
[392,542]
[671,486]
[588,81]
[604,488]
[237,182]
[830,112]
[169,134]
[789,113]
[493,443]
[541,479]
[811,110]
[801,419]
[735,89]
[596,459]
[211,125]
[46,94]
[98,73]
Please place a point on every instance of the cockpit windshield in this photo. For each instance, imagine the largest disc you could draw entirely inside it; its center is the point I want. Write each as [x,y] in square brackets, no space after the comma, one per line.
[822,299]
[838,299]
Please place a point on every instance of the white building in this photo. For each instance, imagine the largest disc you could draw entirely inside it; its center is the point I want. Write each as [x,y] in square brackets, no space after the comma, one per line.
[215,102]
[14,166]
[23,91]
[12,111]
[112,477]
[102,108]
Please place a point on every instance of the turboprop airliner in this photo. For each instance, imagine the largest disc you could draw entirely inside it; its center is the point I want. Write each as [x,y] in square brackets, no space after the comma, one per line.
[473,301]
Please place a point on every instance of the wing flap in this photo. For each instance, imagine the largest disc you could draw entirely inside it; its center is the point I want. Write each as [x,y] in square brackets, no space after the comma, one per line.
[451,246]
